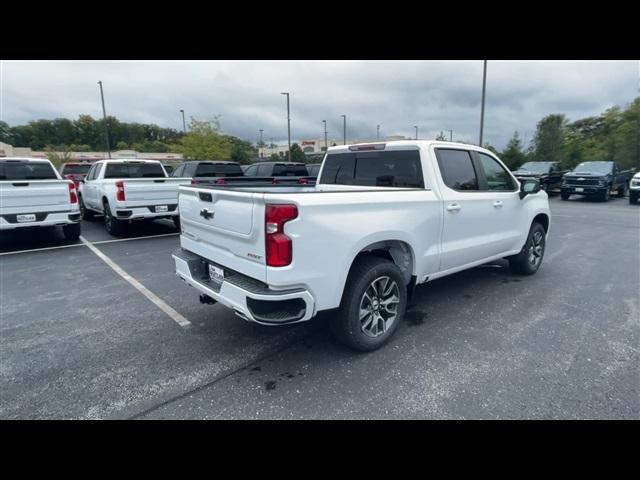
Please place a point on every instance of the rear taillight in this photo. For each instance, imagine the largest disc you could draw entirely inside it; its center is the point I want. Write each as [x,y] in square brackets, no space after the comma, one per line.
[278,245]
[303,181]
[274,181]
[193,182]
[73,196]
[120,191]
[220,181]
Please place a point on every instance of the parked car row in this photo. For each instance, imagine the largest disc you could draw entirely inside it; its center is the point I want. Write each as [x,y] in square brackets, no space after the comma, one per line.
[590,179]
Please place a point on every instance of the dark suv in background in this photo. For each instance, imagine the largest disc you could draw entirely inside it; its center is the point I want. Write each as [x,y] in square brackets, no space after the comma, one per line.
[549,174]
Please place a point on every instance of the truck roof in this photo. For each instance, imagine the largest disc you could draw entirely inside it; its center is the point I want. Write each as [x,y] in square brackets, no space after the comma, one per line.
[128,160]
[22,159]
[400,144]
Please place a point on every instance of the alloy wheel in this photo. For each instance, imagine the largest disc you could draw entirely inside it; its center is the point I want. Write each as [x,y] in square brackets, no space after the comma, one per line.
[379,306]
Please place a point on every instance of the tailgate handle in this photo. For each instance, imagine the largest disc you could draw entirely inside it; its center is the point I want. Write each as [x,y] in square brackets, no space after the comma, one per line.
[24,184]
[205,197]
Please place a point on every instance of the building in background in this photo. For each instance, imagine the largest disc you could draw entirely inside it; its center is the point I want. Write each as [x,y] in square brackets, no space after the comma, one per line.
[315,147]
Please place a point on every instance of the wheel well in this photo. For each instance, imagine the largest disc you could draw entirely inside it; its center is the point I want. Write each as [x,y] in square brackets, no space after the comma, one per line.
[395,250]
[543,220]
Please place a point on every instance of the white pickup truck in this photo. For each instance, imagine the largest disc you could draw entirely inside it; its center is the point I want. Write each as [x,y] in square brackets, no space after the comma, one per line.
[126,190]
[382,218]
[33,195]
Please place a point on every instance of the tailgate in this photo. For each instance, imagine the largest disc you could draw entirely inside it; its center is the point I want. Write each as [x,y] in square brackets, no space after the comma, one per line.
[146,191]
[225,227]
[34,196]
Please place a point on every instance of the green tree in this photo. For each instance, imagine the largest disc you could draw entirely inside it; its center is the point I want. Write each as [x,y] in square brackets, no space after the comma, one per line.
[242,151]
[513,155]
[5,133]
[204,142]
[275,157]
[548,142]
[122,145]
[297,155]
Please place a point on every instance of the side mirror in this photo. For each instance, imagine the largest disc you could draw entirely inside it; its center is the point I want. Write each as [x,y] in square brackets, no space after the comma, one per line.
[529,186]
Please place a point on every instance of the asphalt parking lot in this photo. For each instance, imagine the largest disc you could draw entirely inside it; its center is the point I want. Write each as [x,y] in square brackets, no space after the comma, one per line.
[79,341]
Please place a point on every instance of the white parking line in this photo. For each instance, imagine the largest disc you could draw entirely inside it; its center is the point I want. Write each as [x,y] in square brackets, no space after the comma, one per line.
[179,319]
[94,243]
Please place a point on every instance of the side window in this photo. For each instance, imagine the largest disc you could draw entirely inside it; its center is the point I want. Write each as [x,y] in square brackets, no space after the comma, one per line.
[178,171]
[497,177]
[264,170]
[251,171]
[90,173]
[457,169]
[96,173]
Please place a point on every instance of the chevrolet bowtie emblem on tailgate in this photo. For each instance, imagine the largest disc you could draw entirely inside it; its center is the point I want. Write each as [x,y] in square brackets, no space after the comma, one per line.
[206,213]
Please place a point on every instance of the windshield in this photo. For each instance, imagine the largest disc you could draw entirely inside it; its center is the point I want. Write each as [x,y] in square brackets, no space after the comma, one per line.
[599,167]
[134,170]
[536,167]
[27,171]
[76,169]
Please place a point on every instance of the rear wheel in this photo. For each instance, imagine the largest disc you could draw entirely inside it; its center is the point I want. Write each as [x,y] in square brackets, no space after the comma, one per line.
[528,261]
[84,213]
[373,304]
[113,225]
[71,231]
[622,190]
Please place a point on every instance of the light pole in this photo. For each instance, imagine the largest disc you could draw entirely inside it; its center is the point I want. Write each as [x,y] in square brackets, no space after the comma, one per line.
[416,127]
[184,124]
[104,115]
[377,132]
[344,129]
[484,88]
[260,144]
[288,123]
[326,145]
[451,135]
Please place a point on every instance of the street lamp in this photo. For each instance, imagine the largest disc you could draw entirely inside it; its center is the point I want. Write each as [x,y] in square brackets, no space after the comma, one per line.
[344,129]
[451,135]
[104,115]
[260,144]
[484,88]
[326,145]
[184,124]
[416,127]
[377,132]
[288,122]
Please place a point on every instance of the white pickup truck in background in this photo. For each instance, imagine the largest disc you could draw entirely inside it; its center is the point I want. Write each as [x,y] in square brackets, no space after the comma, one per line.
[126,190]
[34,195]
[382,218]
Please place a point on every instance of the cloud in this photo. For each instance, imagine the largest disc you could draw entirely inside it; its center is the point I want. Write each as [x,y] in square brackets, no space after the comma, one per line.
[435,95]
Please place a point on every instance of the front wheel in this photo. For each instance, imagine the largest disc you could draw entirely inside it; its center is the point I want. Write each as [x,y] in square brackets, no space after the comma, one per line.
[564,196]
[604,196]
[632,199]
[622,191]
[528,261]
[373,304]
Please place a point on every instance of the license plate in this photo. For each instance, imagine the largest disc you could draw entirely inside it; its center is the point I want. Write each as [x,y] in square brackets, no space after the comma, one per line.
[216,274]
[29,217]
[162,208]
[579,189]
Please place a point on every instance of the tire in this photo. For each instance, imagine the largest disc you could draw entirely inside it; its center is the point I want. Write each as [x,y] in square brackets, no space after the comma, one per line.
[622,190]
[176,222]
[632,199]
[604,196]
[114,226]
[71,231]
[84,213]
[528,261]
[565,196]
[368,275]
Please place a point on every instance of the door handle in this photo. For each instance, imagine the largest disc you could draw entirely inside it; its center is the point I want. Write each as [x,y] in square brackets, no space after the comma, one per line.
[497,203]
[453,207]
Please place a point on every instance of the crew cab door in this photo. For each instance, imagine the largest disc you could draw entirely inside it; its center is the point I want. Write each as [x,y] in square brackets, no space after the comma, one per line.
[89,188]
[474,224]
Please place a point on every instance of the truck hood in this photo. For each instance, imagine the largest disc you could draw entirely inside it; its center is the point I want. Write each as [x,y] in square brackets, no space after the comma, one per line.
[587,174]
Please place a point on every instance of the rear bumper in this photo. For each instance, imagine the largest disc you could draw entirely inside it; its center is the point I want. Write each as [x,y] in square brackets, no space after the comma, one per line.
[124,212]
[247,297]
[43,219]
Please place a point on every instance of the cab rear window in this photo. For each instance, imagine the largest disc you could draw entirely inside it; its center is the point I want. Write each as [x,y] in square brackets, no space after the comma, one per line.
[76,169]
[391,168]
[218,170]
[134,170]
[290,171]
[27,171]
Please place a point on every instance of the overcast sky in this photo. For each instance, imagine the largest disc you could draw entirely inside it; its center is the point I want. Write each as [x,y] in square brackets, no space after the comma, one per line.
[435,95]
